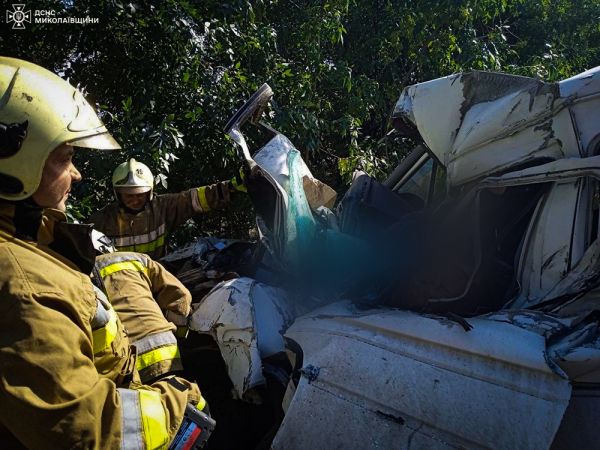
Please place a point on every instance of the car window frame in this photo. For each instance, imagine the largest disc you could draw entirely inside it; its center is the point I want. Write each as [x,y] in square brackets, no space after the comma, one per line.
[410,166]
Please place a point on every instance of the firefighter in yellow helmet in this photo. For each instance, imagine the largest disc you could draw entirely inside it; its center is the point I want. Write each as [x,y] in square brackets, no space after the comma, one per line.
[140,221]
[67,371]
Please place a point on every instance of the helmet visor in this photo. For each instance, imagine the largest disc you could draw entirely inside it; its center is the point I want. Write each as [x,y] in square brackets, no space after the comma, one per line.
[102,141]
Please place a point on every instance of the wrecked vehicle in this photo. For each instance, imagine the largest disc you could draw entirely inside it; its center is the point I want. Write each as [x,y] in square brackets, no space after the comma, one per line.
[492,340]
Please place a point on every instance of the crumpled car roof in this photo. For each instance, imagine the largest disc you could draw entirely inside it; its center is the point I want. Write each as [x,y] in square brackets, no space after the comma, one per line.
[480,123]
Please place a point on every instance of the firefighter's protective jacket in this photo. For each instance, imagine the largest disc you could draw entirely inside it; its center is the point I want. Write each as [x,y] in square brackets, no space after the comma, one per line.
[67,371]
[147,230]
[141,290]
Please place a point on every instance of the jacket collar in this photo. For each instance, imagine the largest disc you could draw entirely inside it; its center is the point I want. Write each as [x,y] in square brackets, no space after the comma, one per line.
[49,228]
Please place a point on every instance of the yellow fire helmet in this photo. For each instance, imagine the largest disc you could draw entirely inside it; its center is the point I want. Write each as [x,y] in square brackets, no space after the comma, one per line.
[40,111]
[132,177]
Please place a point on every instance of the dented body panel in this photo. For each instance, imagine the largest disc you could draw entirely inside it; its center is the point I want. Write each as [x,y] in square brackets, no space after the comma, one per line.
[397,379]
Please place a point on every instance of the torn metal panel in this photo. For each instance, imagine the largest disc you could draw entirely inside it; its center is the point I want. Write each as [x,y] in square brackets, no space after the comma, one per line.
[581,85]
[581,279]
[273,157]
[535,321]
[276,229]
[564,125]
[497,106]
[547,250]
[394,379]
[577,353]
[580,238]
[525,147]
[568,169]
[247,320]
[573,339]
[579,304]
[585,116]
[269,196]
[447,96]
[479,123]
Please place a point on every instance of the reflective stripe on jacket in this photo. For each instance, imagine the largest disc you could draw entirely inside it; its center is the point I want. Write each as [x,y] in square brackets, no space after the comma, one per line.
[67,372]
[140,290]
[144,420]
[147,230]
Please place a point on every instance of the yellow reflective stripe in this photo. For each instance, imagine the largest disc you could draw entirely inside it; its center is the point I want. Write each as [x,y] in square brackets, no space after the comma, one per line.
[157,355]
[125,265]
[103,337]
[201,403]
[154,420]
[139,238]
[147,247]
[202,199]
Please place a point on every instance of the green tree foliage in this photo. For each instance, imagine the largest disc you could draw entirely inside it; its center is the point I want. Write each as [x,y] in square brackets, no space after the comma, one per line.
[167,75]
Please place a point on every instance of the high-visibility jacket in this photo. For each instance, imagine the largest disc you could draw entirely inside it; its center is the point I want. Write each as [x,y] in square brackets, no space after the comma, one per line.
[141,290]
[67,371]
[147,230]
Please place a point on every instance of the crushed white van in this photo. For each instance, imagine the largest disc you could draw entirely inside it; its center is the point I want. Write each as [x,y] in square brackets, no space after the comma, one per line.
[496,346]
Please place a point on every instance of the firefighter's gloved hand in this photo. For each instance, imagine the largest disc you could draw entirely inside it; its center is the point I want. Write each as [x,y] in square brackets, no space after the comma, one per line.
[238,182]
[202,405]
[194,396]
[206,409]
[180,321]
